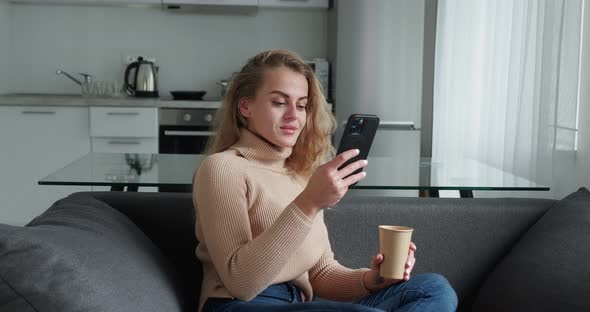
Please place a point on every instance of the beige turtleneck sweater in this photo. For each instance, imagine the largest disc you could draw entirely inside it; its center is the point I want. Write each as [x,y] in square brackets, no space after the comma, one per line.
[252,235]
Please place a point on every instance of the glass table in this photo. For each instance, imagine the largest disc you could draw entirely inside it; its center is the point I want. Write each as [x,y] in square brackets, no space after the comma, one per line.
[175,172]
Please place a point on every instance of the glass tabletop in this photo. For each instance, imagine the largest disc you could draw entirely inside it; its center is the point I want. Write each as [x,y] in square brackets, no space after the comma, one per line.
[386,173]
[383,173]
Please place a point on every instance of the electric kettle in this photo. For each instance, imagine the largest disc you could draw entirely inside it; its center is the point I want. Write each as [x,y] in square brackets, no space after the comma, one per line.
[145,79]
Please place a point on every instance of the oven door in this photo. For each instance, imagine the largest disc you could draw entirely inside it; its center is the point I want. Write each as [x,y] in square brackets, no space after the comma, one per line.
[184,139]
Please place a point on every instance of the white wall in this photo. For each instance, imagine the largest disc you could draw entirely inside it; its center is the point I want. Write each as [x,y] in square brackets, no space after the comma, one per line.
[5,42]
[193,51]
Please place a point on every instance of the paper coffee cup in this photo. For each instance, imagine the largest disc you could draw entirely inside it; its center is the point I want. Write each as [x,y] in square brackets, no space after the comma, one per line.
[394,245]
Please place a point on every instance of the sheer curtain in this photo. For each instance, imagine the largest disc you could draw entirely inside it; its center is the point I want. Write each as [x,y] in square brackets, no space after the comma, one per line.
[506,83]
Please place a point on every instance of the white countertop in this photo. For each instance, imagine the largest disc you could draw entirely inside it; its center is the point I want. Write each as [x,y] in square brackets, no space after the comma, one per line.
[31,99]
[77,100]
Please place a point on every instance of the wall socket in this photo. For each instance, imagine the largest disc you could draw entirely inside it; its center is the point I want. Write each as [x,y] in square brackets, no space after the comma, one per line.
[128,59]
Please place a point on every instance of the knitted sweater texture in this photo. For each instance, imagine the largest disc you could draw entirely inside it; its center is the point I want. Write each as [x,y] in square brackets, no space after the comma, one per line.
[252,235]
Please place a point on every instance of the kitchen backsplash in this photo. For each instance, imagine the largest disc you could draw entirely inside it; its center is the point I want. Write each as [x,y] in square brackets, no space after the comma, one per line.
[193,51]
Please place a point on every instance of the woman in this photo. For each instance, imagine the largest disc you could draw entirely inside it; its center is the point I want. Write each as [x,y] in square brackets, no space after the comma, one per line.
[259,197]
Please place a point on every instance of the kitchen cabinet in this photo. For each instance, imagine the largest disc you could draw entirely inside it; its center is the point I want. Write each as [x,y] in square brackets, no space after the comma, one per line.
[124,129]
[125,145]
[36,141]
[93,2]
[213,2]
[303,4]
[137,122]
[237,7]
[310,4]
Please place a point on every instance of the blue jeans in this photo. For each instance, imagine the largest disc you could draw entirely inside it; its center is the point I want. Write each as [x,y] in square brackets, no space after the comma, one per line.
[423,292]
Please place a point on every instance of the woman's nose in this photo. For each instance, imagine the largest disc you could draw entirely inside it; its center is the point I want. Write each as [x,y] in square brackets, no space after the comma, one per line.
[291,111]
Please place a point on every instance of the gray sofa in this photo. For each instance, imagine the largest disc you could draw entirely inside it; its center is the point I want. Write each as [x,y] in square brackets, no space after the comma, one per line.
[117,251]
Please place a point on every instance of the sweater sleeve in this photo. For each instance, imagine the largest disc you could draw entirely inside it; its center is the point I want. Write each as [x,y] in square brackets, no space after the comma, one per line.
[333,281]
[245,265]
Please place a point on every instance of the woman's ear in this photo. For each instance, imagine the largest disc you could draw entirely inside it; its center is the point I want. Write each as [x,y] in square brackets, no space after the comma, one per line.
[244,107]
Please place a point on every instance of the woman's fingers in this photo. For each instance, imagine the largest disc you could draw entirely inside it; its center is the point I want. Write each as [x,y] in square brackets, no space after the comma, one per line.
[406,277]
[353,179]
[376,262]
[410,263]
[409,268]
[341,158]
[334,183]
[411,258]
[344,172]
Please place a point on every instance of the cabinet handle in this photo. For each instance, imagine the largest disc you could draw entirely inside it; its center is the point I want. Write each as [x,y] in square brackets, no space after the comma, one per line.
[188,133]
[394,125]
[124,142]
[122,113]
[397,125]
[38,112]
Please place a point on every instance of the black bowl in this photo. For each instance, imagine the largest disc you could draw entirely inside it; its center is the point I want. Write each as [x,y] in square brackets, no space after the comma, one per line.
[187,95]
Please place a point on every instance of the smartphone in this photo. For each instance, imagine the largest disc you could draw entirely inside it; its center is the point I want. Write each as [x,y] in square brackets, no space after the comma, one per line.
[359,133]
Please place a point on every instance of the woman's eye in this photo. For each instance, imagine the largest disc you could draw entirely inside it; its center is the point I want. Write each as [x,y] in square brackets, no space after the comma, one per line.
[278,103]
[301,107]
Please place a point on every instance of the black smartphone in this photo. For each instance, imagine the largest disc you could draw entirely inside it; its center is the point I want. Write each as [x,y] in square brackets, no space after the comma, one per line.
[359,133]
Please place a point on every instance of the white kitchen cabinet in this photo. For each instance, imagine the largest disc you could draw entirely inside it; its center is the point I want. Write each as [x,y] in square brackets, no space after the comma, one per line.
[303,4]
[93,2]
[232,7]
[213,2]
[124,129]
[125,145]
[310,4]
[36,141]
[135,122]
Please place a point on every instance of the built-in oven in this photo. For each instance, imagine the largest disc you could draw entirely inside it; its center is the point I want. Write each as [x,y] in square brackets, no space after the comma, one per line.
[184,131]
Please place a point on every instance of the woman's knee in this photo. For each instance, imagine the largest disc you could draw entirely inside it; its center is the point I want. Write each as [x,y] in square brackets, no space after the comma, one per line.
[436,285]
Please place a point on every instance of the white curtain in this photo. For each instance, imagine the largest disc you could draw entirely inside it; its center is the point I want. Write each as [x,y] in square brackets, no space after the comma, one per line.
[506,83]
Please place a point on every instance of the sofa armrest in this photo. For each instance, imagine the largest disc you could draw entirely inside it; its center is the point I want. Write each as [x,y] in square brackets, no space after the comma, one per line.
[168,220]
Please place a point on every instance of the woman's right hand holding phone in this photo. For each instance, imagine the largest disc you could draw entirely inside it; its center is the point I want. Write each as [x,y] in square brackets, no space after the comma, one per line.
[328,185]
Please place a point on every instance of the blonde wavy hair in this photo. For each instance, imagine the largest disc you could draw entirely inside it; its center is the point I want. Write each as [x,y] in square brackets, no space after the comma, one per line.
[313,147]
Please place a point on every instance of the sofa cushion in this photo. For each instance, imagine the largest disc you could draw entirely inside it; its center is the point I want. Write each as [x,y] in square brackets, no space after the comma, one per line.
[82,255]
[547,270]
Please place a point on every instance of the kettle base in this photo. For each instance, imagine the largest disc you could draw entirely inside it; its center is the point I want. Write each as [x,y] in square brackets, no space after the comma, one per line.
[146,94]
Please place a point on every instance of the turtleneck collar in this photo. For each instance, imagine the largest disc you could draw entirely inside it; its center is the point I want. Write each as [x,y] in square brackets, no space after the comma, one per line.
[260,151]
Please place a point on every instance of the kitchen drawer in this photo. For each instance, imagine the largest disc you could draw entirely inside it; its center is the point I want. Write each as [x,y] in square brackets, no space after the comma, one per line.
[213,2]
[137,122]
[125,145]
[109,3]
[311,4]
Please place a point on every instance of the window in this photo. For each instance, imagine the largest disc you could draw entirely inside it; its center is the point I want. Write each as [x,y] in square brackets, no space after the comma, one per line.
[568,99]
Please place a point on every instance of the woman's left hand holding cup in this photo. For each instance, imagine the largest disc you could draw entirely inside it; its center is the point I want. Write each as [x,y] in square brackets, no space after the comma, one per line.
[373,280]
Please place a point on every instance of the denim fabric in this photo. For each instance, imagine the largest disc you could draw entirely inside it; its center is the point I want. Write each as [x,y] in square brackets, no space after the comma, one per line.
[423,292]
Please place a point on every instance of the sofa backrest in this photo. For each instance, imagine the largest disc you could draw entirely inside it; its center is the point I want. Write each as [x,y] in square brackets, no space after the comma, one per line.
[461,238]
